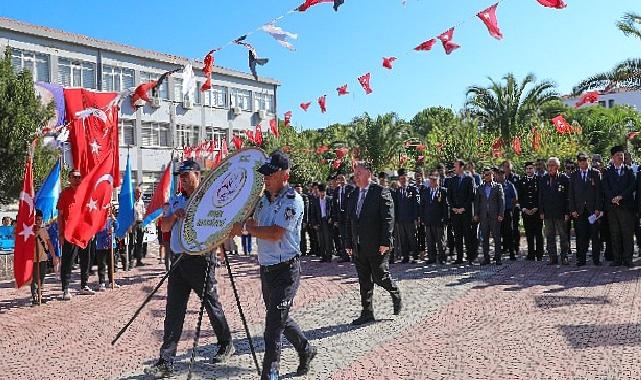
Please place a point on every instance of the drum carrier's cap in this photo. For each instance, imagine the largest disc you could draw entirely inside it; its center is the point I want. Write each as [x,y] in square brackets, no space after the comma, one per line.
[277,161]
[188,166]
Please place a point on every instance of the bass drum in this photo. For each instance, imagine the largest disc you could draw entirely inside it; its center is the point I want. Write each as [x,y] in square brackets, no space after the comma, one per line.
[228,195]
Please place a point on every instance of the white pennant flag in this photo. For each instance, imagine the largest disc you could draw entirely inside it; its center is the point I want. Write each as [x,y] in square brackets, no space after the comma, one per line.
[280,35]
[189,80]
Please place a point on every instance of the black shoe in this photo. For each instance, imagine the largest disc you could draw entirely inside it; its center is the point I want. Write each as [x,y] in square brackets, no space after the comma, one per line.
[344,261]
[225,351]
[405,261]
[565,261]
[529,258]
[580,264]
[512,258]
[630,265]
[398,304]
[458,262]
[615,264]
[485,262]
[363,319]
[306,360]
[161,370]
[140,264]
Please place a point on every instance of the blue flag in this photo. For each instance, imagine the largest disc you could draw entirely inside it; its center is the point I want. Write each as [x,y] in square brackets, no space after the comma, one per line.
[47,196]
[125,204]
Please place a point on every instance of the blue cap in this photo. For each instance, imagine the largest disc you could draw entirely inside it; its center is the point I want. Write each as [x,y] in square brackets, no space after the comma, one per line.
[277,161]
[189,166]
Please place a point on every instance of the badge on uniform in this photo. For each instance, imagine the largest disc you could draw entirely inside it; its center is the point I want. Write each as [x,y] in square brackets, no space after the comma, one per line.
[289,213]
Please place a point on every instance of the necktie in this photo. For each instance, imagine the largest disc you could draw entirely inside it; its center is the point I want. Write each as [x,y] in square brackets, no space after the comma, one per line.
[361,200]
[583,176]
[340,198]
[433,194]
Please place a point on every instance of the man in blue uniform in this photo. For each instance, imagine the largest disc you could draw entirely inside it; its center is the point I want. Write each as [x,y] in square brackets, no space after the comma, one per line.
[188,275]
[276,226]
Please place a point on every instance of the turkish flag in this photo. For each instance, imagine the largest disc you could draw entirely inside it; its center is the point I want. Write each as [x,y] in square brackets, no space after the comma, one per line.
[250,136]
[516,146]
[208,64]
[446,39]
[273,126]
[427,45]
[322,103]
[562,126]
[536,139]
[342,90]
[488,16]
[94,130]
[497,147]
[305,106]
[258,135]
[364,81]
[224,148]
[288,117]
[91,202]
[238,142]
[388,61]
[558,4]
[206,86]
[25,243]
[588,97]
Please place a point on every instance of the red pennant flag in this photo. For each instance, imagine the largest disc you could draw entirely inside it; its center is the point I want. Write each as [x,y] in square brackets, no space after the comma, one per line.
[224,147]
[321,149]
[488,16]
[497,147]
[388,61]
[206,86]
[446,39]
[336,164]
[588,97]
[91,201]
[250,136]
[340,152]
[364,81]
[633,135]
[161,194]
[288,117]
[562,126]
[516,146]
[238,142]
[558,4]
[305,106]
[94,129]
[322,104]
[142,93]
[310,3]
[342,90]
[208,63]
[258,135]
[427,45]
[273,126]
[25,238]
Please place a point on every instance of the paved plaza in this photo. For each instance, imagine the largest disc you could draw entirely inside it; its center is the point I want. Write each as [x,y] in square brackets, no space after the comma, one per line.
[521,320]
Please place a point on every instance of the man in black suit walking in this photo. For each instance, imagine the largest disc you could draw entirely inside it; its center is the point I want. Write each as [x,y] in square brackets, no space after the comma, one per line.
[321,220]
[585,208]
[618,189]
[460,195]
[339,211]
[433,214]
[406,205]
[370,211]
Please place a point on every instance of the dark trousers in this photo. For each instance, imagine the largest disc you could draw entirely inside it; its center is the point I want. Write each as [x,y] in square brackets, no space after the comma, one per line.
[491,226]
[187,276]
[605,237]
[421,238]
[435,242]
[69,254]
[279,289]
[373,268]
[622,234]
[103,258]
[586,232]
[246,241]
[462,225]
[516,234]
[507,234]
[39,273]
[325,241]
[534,235]
[313,240]
[303,240]
[339,247]
[406,233]
[344,228]
[450,237]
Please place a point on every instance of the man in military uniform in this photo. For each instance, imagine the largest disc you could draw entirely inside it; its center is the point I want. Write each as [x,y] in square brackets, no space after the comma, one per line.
[276,227]
[406,204]
[188,274]
[528,193]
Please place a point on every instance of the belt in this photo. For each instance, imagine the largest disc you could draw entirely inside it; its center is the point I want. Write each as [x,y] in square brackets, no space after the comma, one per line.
[280,266]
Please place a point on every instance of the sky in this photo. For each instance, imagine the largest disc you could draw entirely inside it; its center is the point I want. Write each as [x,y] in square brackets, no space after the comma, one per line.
[334,48]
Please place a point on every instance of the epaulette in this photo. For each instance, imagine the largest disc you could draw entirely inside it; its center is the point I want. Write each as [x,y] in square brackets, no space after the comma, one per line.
[291,193]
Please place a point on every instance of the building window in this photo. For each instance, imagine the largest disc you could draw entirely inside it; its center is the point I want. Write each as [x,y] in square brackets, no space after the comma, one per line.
[602,103]
[38,64]
[155,134]
[196,95]
[187,135]
[611,103]
[240,98]
[116,78]
[219,97]
[264,102]
[178,89]
[215,134]
[72,73]
[126,132]
[164,87]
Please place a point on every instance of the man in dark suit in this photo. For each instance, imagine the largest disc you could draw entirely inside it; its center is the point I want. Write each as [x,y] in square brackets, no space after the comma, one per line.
[618,189]
[339,211]
[406,205]
[433,215]
[585,208]
[370,211]
[303,238]
[460,195]
[420,228]
[313,236]
[553,203]
[528,194]
[489,208]
[515,216]
[321,220]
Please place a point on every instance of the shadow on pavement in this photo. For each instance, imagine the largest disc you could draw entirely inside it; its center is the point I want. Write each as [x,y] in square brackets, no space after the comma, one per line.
[593,336]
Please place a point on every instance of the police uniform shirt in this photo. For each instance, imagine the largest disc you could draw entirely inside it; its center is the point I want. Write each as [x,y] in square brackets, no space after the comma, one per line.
[285,211]
[176,202]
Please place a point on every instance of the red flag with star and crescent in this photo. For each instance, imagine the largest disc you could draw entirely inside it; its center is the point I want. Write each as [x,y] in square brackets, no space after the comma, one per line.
[562,126]
[91,201]
[558,4]
[488,16]
[25,243]
[288,117]
[364,82]
[322,103]
[446,39]
[94,129]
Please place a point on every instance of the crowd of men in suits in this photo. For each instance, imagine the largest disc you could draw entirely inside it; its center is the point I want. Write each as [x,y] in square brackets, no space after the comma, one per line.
[450,213]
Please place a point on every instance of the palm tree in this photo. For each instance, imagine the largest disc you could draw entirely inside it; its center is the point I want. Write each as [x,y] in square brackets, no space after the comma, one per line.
[509,106]
[625,75]
[627,24]
[379,140]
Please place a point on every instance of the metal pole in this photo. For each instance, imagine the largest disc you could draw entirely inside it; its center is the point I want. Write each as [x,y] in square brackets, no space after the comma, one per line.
[240,311]
[153,292]
[200,316]
[111,253]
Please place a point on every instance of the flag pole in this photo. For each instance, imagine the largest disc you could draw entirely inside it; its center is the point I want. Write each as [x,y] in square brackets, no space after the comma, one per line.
[111,253]
[37,273]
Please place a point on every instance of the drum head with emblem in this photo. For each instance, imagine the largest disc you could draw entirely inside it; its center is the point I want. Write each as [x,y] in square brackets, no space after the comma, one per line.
[227,196]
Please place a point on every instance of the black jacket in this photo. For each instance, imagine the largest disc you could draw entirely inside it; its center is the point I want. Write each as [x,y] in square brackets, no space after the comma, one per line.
[585,196]
[615,184]
[553,196]
[406,205]
[460,193]
[433,212]
[339,204]
[315,218]
[528,192]
[373,227]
